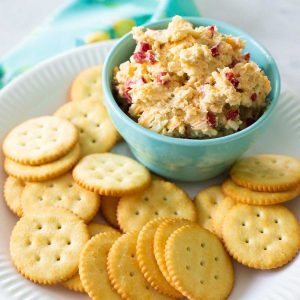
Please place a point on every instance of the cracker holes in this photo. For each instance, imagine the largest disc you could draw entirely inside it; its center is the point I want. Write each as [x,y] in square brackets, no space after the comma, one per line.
[85,115]
[79,199]
[37,258]
[41,199]
[188,249]
[132,255]
[261,231]
[59,198]
[98,125]
[49,243]
[147,287]
[156,213]
[50,185]
[28,243]
[39,227]
[137,213]
[216,258]
[201,263]
[146,199]
[209,217]
[175,213]
[70,185]
[276,221]
[265,248]
[280,238]
[81,131]
[258,215]
[58,226]
[165,198]
[243,224]
[247,241]
[202,245]
[93,141]
[187,267]
[68,242]
[58,258]
[216,277]
[131,274]
[201,281]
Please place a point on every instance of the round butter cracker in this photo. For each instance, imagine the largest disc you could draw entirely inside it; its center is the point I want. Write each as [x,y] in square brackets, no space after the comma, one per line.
[267,173]
[43,172]
[97,134]
[40,140]
[63,192]
[162,199]
[245,195]
[45,245]
[198,264]
[111,175]
[261,237]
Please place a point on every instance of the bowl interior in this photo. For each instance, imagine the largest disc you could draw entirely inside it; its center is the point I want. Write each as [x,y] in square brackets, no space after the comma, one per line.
[125,47]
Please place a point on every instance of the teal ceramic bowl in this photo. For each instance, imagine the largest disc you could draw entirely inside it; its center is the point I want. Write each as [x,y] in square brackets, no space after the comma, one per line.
[188,159]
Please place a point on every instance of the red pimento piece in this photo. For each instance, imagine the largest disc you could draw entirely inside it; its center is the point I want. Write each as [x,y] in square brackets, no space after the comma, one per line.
[212,30]
[253,97]
[151,58]
[145,46]
[139,57]
[233,81]
[214,50]
[247,56]
[160,79]
[128,87]
[232,114]
[211,119]
[143,79]
[233,63]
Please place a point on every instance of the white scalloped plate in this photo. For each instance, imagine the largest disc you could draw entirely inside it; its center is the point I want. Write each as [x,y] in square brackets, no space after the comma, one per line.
[43,89]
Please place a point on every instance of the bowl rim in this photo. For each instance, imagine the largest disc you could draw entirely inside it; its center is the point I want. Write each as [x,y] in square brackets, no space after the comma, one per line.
[112,103]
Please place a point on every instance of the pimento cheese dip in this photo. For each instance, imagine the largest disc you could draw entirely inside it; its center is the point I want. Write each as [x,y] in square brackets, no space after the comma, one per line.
[191,82]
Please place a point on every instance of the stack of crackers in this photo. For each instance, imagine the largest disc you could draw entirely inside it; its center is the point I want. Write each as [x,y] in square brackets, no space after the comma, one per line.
[160,244]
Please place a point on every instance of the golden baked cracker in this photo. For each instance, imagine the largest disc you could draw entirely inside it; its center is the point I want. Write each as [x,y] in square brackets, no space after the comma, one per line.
[92,266]
[40,140]
[220,213]
[64,192]
[245,195]
[267,173]
[261,237]
[43,172]
[124,272]
[147,262]
[111,174]
[75,283]
[87,84]
[163,232]
[198,264]
[45,245]
[206,203]
[162,199]
[97,134]
[109,206]
[13,189]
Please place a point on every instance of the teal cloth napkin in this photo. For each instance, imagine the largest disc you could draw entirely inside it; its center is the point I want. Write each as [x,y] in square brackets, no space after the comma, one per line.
[86,21]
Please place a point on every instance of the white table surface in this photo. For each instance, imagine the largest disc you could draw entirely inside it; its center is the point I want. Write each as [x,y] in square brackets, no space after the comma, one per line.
[274,23]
